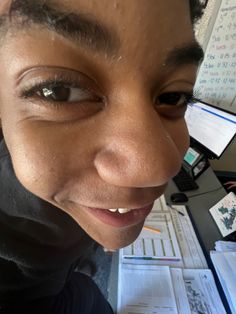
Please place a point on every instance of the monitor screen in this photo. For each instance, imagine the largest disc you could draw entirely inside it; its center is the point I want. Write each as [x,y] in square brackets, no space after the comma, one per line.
[212,127]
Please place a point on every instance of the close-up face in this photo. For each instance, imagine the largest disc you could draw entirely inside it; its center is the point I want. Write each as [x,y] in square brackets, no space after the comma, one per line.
[92,102]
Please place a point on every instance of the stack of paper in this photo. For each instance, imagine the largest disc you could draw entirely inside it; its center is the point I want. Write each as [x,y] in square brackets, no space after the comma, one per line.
[224,263]
[225,246]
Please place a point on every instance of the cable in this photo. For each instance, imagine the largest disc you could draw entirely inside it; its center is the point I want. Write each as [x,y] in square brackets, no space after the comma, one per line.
[206,192]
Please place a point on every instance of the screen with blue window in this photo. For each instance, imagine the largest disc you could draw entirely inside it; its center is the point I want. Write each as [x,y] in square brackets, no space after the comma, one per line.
[211,127]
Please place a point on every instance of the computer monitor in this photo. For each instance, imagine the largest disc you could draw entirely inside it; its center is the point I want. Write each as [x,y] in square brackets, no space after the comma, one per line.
[211,129]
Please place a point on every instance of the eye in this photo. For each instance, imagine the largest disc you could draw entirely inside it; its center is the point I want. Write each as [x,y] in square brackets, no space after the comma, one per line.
[60,91]
[178,99]
[61,94]
[64,93]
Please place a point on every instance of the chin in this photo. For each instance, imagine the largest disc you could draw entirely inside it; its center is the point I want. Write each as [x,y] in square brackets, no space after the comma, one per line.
[122,238]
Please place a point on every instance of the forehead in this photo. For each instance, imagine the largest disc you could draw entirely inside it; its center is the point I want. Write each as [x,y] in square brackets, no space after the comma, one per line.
[142,31]
[132,15]
[131,20]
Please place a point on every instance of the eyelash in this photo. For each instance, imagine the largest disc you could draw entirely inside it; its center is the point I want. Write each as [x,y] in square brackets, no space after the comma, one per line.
[168,98]
[31,91]
[172,101]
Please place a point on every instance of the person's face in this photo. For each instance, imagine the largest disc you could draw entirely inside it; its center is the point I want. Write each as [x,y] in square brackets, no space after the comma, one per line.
[94,126]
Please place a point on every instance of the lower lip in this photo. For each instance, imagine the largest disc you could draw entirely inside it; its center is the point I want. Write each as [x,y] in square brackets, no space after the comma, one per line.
[121,220]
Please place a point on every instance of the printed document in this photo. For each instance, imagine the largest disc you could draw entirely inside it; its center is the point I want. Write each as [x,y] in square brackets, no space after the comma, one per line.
[152,246]
[224,214]
[180,291]
[191,250]
[145,289]
[202,293]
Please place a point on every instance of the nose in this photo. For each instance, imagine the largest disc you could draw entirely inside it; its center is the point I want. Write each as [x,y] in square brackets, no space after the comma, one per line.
[138,149]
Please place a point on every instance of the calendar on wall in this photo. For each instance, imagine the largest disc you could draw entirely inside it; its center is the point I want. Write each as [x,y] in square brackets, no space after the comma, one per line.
[216,80]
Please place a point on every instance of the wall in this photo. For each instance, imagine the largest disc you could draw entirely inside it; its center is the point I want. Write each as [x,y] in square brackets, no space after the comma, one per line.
[228,161]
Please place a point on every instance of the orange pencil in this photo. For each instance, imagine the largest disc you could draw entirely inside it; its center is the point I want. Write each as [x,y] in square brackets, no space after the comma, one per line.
[152,229]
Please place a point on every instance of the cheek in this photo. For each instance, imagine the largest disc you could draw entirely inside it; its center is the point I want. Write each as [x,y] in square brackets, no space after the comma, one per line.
[37,161]
[183,139]
[37,169]
[179,134]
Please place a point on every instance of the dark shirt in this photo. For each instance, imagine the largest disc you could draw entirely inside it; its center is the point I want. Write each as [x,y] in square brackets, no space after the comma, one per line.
[40,245]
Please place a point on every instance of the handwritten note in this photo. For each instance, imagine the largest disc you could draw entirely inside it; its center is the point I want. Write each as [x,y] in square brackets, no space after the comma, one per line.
[216,81]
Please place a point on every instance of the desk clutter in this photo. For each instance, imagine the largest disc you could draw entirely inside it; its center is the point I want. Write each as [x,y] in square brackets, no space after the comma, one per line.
[164,271]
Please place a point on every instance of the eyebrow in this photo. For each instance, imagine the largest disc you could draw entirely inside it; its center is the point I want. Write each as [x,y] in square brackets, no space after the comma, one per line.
[87,31]
[189,53]
[82,28]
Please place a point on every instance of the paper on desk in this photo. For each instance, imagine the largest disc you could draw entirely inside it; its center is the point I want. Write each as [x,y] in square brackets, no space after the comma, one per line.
[160,205]
[151,246]
[145,289]
[224,263]
[224,214]
[192,254]
[180,291]
[225,246]
[202,293]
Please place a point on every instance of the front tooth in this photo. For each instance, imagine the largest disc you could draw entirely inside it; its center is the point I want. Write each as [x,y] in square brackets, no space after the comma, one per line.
[123,210]
[112,210]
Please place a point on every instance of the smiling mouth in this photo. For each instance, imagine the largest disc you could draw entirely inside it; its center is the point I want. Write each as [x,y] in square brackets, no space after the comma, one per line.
[120,217]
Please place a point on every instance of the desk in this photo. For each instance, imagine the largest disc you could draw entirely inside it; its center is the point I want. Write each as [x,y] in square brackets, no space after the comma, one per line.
[206,229]
[199,206]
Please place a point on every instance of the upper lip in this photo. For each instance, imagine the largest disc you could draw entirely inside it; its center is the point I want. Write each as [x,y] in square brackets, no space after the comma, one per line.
[129,200]
[140,206]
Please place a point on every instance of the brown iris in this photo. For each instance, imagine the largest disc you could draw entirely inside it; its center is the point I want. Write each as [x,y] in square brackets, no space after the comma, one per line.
[56,93]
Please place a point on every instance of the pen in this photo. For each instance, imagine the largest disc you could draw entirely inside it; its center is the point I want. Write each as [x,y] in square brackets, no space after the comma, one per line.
[179,212]
[149,258]
[152,229]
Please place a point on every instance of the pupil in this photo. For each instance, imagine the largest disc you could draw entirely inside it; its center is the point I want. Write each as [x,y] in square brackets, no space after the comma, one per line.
[57,93]
[171,98]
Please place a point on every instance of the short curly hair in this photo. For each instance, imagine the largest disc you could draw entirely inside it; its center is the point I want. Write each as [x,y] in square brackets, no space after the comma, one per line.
[196,9]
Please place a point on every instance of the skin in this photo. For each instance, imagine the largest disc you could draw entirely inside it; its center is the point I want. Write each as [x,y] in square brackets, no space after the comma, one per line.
[230,184]
[116,153]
